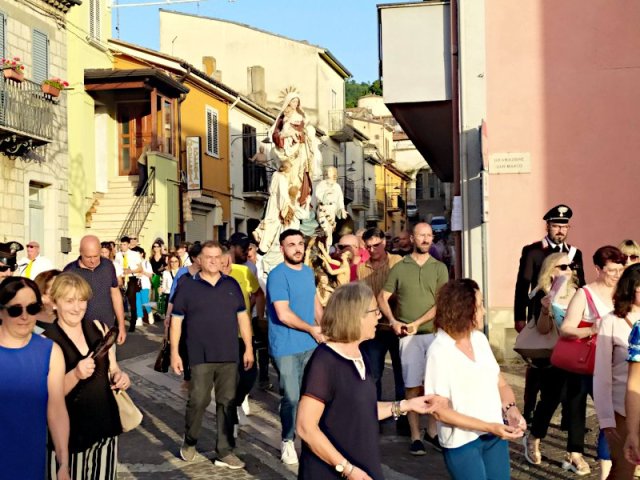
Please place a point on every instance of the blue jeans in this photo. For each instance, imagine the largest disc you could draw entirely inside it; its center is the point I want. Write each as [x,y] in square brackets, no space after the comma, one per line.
[142,298]
[290,370]
[485,458]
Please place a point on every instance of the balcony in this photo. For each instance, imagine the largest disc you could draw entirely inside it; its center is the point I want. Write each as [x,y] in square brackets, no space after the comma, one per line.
[348,188]
[339,129]
[362,200]
[26,117]
[254,182]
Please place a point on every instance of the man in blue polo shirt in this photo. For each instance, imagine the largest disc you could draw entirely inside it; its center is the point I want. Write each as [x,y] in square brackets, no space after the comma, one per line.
[212,308]
[293,332]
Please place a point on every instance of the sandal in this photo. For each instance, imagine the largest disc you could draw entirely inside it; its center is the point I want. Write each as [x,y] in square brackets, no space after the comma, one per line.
[576,463]
[532,449]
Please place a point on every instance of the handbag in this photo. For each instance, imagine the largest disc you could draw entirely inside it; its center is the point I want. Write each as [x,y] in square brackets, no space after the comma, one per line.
[533,345]
[130,415]
[577,355]
[163,360]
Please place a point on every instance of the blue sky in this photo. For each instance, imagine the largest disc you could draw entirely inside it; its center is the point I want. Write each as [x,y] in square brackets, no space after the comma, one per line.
[346,27]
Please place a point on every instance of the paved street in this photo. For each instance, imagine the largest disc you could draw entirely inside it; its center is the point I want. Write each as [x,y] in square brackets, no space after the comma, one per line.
[151,451]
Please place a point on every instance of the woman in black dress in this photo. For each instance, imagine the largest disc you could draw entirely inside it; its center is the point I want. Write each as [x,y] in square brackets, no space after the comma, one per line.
[158,261]
[338,413]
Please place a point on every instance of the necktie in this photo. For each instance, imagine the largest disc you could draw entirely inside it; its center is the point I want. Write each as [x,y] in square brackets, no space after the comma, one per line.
[27,271]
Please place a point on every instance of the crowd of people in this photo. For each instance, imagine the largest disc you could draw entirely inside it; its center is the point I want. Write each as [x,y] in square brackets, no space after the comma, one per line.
[324,320]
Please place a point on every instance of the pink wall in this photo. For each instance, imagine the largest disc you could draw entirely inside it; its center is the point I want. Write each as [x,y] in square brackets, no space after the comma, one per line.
[563,83]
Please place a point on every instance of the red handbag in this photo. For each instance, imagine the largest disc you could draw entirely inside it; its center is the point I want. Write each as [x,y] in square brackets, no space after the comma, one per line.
[577,355]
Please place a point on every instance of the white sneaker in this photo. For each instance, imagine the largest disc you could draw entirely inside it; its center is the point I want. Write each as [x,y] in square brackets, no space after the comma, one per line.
[246,409]
[151,319]
[139,322]
[289,455]
[242,418]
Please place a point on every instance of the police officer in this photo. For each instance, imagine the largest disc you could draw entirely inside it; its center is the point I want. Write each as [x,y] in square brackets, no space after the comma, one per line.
[8,258]
[527,300]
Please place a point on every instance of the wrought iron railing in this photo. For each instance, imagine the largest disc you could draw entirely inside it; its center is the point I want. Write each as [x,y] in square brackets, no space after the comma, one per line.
[336,120]
[140,209]
[348,188]
[254,178]
[24,109]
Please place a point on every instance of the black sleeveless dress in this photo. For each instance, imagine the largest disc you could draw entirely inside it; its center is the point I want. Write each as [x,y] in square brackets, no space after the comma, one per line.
[93,412]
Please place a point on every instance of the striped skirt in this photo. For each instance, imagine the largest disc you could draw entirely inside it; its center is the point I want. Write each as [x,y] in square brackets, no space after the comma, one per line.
[98,462]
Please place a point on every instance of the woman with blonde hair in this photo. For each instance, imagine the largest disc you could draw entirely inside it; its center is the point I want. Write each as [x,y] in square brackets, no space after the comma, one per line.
[338,390]
[632,251]
[88,384]
[558,271]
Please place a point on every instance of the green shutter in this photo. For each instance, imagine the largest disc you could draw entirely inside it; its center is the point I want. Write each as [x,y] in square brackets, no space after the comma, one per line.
[3,23]
[40,49]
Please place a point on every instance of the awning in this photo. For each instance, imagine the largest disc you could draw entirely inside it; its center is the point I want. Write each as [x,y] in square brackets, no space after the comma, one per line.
[104,79]
[429,126]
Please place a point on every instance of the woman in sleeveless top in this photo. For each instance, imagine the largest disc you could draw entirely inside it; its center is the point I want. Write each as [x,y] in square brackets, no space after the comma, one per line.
[89,382]
[611,369]
[582,321]
[558,281]
[34,368]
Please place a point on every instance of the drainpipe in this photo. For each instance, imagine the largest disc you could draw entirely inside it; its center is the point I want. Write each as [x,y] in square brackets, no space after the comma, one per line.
[181,188]
[455,107]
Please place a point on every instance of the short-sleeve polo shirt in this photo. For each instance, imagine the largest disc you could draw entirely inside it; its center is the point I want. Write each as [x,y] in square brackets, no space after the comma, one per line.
[415,288]
[101,279]
[210,315]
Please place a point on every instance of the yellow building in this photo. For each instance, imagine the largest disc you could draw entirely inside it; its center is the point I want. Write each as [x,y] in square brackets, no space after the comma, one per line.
[89,128]
[391,194]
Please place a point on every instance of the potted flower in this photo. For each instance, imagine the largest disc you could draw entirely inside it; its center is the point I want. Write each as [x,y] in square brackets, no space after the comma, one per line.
[53,86]
[13,69]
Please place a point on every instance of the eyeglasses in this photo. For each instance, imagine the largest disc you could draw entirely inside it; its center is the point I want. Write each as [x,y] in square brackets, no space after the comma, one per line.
[613,271]
[376,311]
[32,246]
[373,246]
[566,266]
[16,310]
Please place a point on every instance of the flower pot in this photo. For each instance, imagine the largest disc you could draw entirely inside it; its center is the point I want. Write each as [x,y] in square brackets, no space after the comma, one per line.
[14,75]
[50,90]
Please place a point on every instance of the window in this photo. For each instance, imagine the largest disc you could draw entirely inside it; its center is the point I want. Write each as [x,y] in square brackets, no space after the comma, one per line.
[334,99]
[335,160]
[40,52]
[3,22]
[36,212]
[94,19]
[213,147]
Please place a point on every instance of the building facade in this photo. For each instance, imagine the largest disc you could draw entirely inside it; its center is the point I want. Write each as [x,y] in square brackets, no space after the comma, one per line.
[34,162]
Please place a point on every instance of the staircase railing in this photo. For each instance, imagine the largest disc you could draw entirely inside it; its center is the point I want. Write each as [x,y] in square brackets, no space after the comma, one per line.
[140,209]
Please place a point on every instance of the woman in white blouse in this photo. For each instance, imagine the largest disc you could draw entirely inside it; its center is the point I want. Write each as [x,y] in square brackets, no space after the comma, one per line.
[482,413]
[611,370]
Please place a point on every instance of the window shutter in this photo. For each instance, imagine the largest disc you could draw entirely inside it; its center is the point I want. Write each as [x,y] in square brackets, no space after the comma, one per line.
[94,19]
[40,48]
[248,141]
[3,22]
[212,133]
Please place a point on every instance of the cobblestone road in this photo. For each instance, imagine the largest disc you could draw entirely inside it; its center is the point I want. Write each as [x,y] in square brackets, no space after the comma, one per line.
[151,451]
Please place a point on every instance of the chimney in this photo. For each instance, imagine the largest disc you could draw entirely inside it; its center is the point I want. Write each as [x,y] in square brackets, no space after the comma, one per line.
[209,65]
[255,85]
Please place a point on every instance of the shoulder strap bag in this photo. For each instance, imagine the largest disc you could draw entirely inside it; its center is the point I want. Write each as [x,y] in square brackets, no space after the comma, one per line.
[577,355]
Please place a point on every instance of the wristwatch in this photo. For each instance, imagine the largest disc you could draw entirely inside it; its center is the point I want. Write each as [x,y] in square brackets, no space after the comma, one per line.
[340,468]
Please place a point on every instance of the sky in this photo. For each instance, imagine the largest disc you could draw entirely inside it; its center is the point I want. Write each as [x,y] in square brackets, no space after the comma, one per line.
[348,28]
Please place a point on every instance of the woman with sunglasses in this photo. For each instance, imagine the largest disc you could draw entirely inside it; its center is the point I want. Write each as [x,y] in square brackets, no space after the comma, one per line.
[558,281]
[582,321]
[34,368]
[88,383]
[611,369]
[632,251]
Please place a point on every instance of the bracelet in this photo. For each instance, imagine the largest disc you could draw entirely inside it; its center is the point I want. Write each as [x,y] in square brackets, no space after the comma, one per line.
[506,409]
[396,412]
[345,474]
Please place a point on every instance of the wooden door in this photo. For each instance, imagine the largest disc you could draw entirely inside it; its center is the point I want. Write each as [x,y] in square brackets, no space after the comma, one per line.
[134,132]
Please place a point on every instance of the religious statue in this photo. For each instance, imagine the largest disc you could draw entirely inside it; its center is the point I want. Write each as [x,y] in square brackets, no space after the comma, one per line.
[329,203]
[295,140]
[339,269]
[324,290]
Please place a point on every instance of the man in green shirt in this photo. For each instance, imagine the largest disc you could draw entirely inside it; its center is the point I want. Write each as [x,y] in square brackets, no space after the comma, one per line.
[414,282]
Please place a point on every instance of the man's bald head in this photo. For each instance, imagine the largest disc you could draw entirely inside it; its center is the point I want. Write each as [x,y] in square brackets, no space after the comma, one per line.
[90,251]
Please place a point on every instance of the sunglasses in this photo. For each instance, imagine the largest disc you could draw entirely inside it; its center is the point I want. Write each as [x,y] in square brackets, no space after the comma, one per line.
[32,246]
[566,266]
[373,246]
[16,310]
[4,268]
[633,258]
[342,247]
